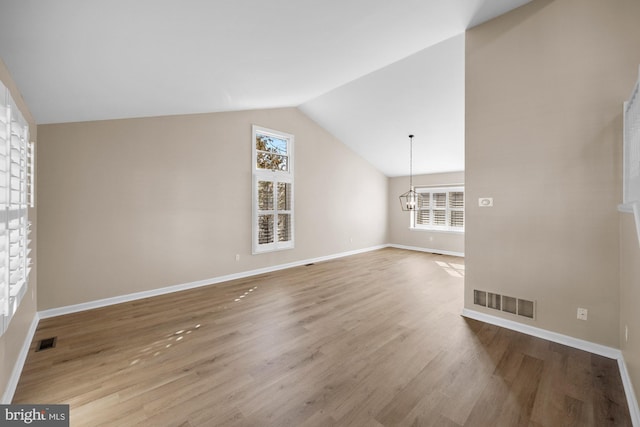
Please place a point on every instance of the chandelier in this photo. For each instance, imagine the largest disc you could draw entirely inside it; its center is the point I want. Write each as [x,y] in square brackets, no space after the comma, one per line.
[410,201]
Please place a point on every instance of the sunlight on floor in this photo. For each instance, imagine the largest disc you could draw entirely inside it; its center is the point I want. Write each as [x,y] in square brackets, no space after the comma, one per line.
[453,269]
[245,294]
[156,348]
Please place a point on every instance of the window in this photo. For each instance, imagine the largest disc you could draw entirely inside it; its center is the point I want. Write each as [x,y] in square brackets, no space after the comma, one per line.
[631,156]
[441,208]
[631,180]
[272,190]
[16,196]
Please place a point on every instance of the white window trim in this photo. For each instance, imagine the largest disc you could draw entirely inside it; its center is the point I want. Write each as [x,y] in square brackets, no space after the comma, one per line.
[438,228]
[424,228]
[631,147]
[274,176]
[631,156]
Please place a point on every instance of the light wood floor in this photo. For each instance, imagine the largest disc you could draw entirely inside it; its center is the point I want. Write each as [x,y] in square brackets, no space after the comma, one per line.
[370,340]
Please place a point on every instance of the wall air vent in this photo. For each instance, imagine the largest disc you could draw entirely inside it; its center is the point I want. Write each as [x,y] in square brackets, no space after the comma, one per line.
[506,304]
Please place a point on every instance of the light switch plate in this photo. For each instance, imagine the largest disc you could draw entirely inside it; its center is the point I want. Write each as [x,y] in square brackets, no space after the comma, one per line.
[485,202]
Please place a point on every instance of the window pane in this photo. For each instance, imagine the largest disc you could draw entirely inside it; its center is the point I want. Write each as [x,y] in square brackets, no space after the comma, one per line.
[271,144]
[457,219]
[264,161]
[284,196]
[280,163]
[271,161]
[265,229]
[265,195]
[425,203]
[284,227]
[440,200]
[439,217]
[456,200]
[422,217]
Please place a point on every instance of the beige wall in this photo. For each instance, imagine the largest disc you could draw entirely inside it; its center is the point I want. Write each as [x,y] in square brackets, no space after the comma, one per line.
[544,91]
[139,204]
[12,341]
[399,231]
[629,297]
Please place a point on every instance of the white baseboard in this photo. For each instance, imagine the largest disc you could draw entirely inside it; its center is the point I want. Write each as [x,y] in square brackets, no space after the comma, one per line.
[632,402]
[75,308]
[602,350]
[419,249]
[7,397]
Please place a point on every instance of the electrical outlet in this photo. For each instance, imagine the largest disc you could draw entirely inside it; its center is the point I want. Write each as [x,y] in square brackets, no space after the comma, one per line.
[582,313]
[237,257]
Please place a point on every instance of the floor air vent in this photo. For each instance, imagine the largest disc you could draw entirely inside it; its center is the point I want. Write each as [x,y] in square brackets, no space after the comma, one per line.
[46,343]
[516,306]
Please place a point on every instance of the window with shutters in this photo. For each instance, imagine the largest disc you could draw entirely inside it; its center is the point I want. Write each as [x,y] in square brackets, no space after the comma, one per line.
[631,156]
[272,190]
[16,197]
[441,208]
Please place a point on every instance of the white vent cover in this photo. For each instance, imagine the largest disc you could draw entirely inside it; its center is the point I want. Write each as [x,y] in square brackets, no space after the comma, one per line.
[506,304]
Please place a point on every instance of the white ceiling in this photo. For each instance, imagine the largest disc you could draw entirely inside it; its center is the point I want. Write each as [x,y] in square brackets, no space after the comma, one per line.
[78,60]
[377,112]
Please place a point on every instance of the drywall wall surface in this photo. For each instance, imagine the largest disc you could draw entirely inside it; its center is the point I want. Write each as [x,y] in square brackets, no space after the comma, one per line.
[12,341]
[545,85]
[399,221]
[140,204]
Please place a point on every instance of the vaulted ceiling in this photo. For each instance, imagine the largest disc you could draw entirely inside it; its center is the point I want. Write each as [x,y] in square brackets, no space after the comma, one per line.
[369,71]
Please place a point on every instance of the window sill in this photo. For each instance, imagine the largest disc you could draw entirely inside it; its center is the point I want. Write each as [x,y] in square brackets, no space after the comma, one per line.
[437,230]
[625,207]
[258,251]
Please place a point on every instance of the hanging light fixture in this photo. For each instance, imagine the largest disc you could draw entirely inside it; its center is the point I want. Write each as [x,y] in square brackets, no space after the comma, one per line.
[410,201]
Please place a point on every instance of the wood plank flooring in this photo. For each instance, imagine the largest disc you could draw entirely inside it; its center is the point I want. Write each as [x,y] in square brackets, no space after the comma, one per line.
[369,340]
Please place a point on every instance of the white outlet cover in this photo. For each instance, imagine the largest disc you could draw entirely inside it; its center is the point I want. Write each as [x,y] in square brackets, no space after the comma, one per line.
[582,313]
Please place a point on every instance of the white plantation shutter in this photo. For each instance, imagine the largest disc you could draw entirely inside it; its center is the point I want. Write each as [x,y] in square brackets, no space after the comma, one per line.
[439,209]
[266,212]
[456,209]
[284,211]
[442,208]
[423,213]
[631,155]
[273,216]
[16,196]
[274,212]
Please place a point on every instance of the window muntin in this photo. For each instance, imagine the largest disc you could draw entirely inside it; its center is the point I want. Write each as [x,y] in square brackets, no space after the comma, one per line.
[442,208]
[273,216]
